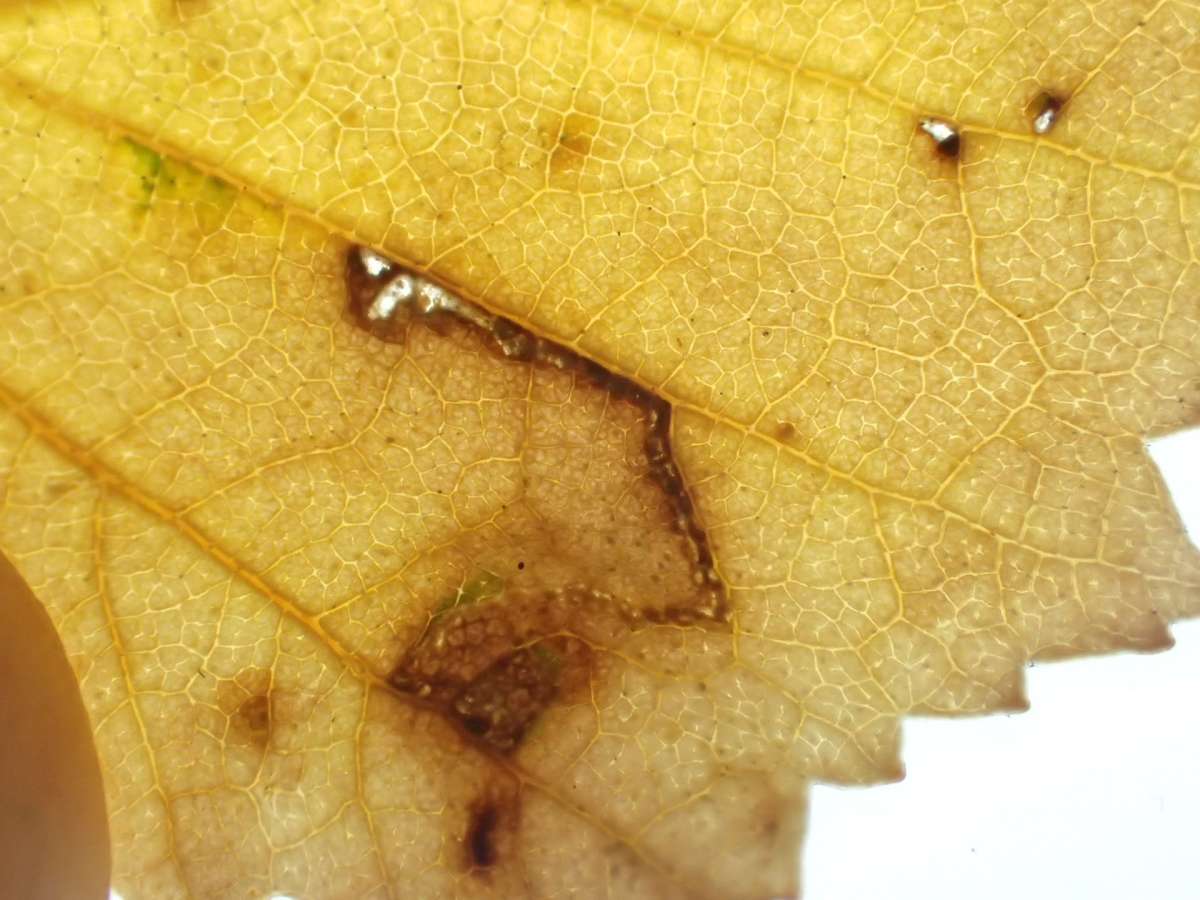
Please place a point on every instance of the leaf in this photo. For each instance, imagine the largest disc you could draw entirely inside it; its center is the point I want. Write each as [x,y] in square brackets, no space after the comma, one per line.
[908,393]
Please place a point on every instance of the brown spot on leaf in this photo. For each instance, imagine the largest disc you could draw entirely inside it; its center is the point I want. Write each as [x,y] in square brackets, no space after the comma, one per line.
[1044,110]
[255,714]
[246,700]
[480,841]
[491,831]
[785,431]
[480,817]
[494,666]
[943,136]
[571,149]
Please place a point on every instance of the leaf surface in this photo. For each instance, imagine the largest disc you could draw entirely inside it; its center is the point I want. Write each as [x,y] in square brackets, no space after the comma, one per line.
[908,400]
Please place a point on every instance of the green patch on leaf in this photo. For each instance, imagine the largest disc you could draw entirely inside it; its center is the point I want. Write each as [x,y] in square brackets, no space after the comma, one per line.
[162,178]
[485,584]
[147,162]
[147,166]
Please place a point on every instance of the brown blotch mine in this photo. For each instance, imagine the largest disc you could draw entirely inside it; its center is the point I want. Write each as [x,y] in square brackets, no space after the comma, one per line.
[494,667]
[499,653]
[528,615]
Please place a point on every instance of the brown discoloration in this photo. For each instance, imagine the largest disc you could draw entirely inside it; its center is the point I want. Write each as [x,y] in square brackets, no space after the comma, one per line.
[255,714]
[949,148]
[361,290]
[572,147]
[489,834]
[533,614]
[504,700]
[785,431]
[943,137]
[481,800]
[247,700]
[494,667]
[517,345]
[1046,107]
[480,841]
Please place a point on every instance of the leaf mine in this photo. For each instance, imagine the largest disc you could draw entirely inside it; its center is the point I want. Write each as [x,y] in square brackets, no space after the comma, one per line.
[1044,112]
[387,299]
[495,655]
[404,600]
[945,137]
[537,623]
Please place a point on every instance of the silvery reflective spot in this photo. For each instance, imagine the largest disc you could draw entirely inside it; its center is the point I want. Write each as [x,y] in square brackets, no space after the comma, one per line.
[377,266]
[431,298]
[1045,120]
[472,313]
[396,292]
[942,132]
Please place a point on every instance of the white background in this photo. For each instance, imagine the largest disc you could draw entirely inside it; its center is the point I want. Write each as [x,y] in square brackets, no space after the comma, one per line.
[1094,794]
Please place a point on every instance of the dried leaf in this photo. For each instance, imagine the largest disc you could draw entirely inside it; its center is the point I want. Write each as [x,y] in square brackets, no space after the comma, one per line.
[371,607]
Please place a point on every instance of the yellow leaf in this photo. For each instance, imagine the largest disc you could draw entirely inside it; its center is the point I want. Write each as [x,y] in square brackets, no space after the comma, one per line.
[383,611]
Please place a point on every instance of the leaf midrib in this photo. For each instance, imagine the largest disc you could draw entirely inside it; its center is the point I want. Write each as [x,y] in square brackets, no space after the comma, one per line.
[55,103]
